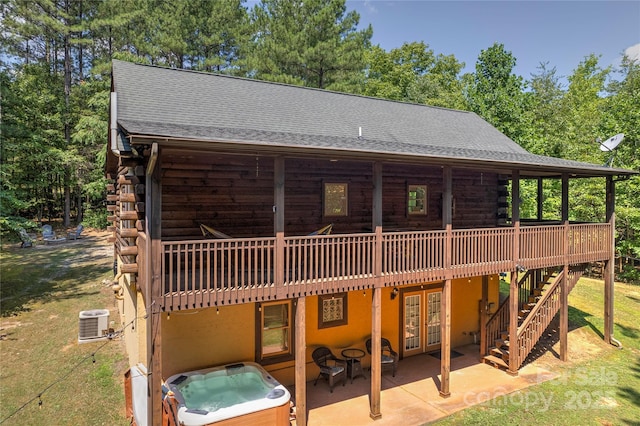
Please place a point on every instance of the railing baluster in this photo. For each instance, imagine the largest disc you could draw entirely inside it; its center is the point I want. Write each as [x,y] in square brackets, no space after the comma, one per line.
[243,268]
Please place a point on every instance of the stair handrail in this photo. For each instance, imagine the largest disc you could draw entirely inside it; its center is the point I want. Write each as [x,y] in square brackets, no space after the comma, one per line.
[540,302]
[495,318]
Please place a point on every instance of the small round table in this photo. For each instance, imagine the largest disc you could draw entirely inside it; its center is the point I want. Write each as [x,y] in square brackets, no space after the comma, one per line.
[354,367]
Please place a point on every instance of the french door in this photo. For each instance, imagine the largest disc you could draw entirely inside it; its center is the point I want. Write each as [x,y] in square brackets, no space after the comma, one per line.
[421,321]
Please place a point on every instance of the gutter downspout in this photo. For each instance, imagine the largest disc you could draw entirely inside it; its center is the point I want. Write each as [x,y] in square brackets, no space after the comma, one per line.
[113,126]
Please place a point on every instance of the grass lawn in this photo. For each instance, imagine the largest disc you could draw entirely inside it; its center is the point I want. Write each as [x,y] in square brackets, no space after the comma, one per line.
[42,291]
[598,384]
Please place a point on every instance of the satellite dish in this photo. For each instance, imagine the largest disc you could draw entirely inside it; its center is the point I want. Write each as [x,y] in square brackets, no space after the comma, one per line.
[611,143]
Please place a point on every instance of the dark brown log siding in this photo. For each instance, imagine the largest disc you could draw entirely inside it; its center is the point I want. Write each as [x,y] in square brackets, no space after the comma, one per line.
[304,188]
[234,194]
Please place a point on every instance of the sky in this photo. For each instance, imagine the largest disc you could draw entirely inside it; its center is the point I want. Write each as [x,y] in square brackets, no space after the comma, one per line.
[561,33]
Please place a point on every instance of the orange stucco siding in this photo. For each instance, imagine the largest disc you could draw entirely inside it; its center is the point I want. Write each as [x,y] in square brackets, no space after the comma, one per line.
[200,338]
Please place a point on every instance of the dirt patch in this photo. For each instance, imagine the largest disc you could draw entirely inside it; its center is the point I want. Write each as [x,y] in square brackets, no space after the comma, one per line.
[582,346]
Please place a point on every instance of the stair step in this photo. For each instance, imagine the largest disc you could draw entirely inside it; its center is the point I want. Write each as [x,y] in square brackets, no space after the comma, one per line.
[497,362]
[502,342]
[500,352]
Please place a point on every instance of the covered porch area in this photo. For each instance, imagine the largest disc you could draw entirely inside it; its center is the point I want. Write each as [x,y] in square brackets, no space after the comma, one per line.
[412,396]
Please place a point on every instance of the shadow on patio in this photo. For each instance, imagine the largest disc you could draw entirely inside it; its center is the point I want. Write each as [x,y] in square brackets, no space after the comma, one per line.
[412,398]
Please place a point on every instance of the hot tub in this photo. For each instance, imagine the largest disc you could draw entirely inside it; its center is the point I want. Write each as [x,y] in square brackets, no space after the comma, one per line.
[242,392]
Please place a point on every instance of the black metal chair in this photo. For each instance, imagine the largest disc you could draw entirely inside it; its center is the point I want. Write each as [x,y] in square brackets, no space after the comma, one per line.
[331,367]
[389,356]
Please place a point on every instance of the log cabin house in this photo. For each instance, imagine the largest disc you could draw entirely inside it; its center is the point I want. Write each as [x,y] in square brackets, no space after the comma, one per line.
[419,203]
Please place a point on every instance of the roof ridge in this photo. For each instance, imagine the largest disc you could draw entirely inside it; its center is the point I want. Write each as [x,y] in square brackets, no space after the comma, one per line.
[276,83]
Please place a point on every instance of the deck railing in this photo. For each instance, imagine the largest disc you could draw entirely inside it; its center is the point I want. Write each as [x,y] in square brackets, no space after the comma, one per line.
[201,273]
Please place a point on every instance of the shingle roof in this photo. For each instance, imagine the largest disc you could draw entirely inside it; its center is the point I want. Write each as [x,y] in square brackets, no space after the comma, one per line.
[179,104]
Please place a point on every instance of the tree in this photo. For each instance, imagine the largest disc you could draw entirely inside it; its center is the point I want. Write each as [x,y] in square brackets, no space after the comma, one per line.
[312,43]
[413,73]
[544,135]
[496,94]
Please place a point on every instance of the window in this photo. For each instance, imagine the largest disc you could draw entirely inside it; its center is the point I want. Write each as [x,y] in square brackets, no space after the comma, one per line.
[417,199]
[275,334]
[332,310]
[335,199]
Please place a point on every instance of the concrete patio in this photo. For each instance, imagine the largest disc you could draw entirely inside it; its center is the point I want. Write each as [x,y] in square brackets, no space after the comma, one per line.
[412,398]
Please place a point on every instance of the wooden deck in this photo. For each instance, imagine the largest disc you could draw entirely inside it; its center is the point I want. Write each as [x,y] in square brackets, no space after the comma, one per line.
[216,272]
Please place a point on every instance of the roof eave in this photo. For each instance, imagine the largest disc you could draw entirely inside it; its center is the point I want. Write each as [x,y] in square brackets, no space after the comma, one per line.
[269,148]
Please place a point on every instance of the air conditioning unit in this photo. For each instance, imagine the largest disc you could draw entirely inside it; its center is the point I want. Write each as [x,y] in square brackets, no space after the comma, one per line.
[93,325]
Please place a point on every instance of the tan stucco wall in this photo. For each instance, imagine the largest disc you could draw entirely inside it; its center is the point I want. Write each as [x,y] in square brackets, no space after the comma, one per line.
[201,338]
[132,313]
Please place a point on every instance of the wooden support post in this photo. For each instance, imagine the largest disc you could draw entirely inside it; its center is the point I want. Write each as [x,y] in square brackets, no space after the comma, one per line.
[484,316]
[609,273]
[513,324]
[154,296]
[565,197]
[445,308]
[278,194]
[564,287]
[564,295]
[376,301]
[445,333]
[376,219]
[376,353]
[301,363]
[540,200]
[513,287]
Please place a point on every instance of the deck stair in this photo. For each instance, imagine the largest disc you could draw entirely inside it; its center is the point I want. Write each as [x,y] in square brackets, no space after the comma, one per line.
[539,301]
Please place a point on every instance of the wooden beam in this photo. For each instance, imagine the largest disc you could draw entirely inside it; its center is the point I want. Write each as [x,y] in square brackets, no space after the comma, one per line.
[128,232]
[376,219]
[301,362]
[445,345]
[128,180]
[278,194]
[129,250]
[447,196]
[565,197]
[540,199]
[513,324]
[564,295]
[129,268]
[513,287]
[484,315]
[154,295]
[609,273]
[447,218]
[128,215]
[127,197]
[376,353]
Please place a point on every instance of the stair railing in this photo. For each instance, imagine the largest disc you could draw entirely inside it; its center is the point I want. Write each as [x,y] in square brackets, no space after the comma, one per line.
[498,322]
[534,325]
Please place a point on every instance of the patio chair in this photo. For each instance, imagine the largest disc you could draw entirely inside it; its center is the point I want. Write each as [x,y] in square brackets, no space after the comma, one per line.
[389,356]
[325,230]
[331,367]
[208,231]
[75,233]
[26,239]
[47,233]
